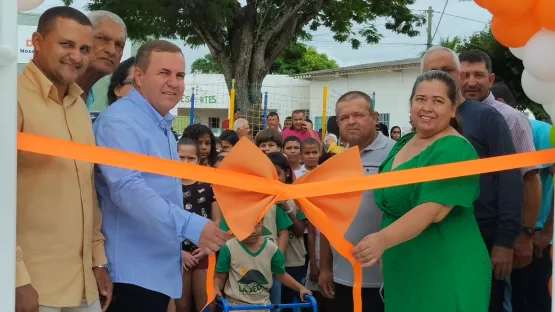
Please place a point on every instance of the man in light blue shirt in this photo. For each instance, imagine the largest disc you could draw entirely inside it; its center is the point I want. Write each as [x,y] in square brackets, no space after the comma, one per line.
[143,217]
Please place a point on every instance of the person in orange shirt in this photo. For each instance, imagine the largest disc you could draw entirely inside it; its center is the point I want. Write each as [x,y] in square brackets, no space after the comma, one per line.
[60,261]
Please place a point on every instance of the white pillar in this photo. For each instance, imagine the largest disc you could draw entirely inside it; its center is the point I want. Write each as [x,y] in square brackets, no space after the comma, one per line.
[8,162]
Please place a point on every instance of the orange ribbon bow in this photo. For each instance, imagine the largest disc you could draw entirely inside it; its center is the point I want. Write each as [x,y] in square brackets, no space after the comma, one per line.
[331,214]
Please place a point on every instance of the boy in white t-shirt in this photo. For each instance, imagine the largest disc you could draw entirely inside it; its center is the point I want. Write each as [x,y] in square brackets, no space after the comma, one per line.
[244,270]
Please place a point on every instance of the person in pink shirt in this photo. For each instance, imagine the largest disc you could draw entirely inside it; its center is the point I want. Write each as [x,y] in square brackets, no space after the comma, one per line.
[301,128]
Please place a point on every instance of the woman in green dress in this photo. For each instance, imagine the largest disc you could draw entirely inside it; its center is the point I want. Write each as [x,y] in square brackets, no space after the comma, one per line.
[433,256]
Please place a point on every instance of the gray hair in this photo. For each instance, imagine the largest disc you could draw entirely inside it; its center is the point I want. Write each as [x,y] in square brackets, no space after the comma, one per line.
[97,16]
[454,56]
[331,136]
[239,123]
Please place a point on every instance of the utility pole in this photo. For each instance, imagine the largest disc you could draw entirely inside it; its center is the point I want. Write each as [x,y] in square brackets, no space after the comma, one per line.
[429,29]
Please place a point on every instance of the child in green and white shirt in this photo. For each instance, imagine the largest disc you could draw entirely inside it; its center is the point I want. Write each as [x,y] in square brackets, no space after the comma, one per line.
[244,270]
[275,227]
[295,252]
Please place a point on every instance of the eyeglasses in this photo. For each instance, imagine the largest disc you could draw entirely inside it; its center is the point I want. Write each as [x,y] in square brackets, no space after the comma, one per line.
[127,81]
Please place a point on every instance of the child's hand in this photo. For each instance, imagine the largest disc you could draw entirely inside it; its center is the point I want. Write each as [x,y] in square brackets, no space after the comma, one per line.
[189,260]
[284,205]
[199,254]
[304,291]
[217,292]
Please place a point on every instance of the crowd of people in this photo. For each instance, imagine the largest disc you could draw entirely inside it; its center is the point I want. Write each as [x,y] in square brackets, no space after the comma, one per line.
[96,238]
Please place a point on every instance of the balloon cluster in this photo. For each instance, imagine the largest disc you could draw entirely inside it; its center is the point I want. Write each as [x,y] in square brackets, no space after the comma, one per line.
[527,27]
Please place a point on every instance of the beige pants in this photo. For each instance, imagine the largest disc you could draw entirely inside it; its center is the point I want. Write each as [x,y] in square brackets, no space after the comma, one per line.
[84,307]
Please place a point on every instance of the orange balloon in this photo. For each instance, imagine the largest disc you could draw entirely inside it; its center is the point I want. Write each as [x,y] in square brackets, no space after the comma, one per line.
[514,33]
[545,12]
[508,8]
[481,3]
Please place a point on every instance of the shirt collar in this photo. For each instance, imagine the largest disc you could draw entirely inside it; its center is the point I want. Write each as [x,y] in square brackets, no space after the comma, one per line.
[163,122]
[490,99]
[46,87]
[380,142]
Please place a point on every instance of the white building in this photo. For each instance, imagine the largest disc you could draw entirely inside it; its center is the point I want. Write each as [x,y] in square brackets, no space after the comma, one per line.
[391,81]
[281,94]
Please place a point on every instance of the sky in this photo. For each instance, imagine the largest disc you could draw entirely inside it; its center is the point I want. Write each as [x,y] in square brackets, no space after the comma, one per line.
[459,19]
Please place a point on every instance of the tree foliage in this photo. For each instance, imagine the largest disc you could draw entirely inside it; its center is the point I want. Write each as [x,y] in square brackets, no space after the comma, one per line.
[447,42]
[246,37]
[206,65]
[507,67]
[297,58]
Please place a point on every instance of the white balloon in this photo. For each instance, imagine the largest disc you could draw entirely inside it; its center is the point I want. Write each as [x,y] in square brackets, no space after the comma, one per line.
[518,52]
[538,91]
[26,5]
[538,56]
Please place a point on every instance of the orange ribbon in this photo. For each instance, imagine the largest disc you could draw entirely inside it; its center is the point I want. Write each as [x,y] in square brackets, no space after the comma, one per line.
[242,209]
[312,191]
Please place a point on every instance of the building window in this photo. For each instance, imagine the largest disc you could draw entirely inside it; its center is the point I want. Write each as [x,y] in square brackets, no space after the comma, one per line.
[384,118]
[214,122]
[318,123]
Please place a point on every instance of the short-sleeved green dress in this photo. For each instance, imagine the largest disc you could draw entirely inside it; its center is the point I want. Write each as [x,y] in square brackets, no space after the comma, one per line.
[447,267]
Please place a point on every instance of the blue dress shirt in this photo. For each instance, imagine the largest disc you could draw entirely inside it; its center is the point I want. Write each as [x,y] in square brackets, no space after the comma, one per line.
[143,217]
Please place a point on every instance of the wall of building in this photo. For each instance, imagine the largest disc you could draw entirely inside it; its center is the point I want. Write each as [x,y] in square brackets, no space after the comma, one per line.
[284,94]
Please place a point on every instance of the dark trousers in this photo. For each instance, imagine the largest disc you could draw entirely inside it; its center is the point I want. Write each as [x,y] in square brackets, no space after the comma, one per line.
[371,300]
[324,304]
[305,238]
[127,298]
[497,293]
[530,285]
[288,295]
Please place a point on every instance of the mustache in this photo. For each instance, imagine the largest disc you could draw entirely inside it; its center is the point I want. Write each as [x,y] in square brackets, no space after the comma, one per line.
[69,61]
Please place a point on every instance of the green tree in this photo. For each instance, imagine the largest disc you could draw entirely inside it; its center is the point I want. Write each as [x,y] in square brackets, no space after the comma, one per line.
[507,67]
[206,65]
[245,37]
[452,44]
[299,58]
[296,59]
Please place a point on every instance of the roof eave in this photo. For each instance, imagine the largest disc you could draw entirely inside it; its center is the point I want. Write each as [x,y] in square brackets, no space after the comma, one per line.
[356,71]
